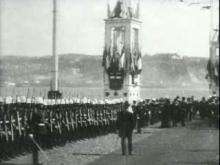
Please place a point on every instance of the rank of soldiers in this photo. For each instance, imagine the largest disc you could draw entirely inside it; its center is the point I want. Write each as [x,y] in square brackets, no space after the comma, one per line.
[65,120]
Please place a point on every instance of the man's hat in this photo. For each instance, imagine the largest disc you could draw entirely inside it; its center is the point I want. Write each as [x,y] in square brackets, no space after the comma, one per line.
[126,103]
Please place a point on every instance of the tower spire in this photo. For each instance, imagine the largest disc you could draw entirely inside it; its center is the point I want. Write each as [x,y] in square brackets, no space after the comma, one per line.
[138,10]
[128,3]
[108,10]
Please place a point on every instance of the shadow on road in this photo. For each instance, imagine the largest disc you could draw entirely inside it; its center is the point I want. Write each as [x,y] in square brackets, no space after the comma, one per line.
[195,163]
[200,124]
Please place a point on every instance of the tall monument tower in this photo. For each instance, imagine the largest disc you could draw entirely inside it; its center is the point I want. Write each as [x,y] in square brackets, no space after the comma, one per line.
[122,57]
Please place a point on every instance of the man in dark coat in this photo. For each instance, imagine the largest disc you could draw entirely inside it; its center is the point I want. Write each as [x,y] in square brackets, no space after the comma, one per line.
[140,117]
[125,125]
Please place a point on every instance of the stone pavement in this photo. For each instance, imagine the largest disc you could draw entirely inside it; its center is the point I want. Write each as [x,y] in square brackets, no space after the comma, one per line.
[195,144]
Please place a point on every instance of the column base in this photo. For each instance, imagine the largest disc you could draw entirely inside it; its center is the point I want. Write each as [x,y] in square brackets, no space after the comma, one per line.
[54,95]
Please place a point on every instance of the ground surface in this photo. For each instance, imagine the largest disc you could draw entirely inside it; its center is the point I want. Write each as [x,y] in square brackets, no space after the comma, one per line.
[195,144]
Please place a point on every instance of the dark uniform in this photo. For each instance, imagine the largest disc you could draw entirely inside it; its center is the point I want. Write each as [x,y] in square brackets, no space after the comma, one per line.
[182,111]
[166,114]
[139,117]
[126,124]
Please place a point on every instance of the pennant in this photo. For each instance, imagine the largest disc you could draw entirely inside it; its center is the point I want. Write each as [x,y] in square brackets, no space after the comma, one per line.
[132,63]
[108,59]
[122,60]
[210,69]
[104,57]
[139,61]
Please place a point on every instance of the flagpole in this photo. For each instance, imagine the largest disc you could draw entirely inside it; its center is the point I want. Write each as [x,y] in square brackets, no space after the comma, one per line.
[54,49]
[54,91]
[1,11]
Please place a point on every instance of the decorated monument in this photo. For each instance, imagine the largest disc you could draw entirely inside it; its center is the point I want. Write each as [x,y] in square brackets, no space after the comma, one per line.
[122,56]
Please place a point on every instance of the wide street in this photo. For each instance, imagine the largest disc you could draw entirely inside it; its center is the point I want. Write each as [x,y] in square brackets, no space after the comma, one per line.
[193,145]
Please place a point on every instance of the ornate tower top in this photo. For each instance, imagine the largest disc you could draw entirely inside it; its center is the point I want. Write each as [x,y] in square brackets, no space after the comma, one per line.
[124,9]
[122,60]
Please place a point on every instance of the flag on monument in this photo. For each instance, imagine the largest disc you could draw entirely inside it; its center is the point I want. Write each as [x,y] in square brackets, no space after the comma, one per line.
[104,57]
[122,61]
[132,63]
[108,59]
[139,61]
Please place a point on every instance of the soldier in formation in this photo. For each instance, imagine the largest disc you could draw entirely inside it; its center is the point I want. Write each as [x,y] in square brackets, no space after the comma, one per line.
[34,131]
[50,123]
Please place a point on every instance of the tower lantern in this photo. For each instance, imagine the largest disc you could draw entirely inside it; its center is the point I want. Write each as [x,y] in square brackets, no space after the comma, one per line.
[122,57]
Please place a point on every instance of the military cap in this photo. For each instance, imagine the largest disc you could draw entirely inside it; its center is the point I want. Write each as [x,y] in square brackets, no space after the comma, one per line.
[8,100]
[126,104]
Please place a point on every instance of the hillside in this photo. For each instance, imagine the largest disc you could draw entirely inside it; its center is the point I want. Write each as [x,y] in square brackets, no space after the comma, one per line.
[161,70]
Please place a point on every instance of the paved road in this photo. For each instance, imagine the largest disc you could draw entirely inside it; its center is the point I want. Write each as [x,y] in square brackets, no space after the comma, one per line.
[196,144]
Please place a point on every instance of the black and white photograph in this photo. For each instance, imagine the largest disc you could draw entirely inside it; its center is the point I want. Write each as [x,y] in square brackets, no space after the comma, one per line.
[109,82]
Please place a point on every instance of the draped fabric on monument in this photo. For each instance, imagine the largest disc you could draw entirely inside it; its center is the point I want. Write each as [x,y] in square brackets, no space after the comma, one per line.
[213,71]
[120,62]
[117,62]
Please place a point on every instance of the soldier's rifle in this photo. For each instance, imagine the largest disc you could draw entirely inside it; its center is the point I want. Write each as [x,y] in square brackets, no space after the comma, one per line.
[96,115]
[19,123]
[57,117]
[10,119]
[60,121]
[80,117]
[76,116]
[85,115]
[104,119]
[51,118]
[66,116]
[18,117]
[90,115]
[58,126]
[31,110]
[25,118]
[1,120]
[71,116]
[100,117]
[5,121]
[12,127]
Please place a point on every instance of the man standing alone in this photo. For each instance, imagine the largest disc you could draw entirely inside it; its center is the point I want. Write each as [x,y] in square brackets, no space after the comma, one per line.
[125,125]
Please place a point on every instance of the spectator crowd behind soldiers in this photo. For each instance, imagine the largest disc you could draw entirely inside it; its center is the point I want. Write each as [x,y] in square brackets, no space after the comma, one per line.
[59,121]
[179,110]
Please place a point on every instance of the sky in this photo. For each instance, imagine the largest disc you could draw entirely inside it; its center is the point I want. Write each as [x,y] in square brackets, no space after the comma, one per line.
[169,26]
